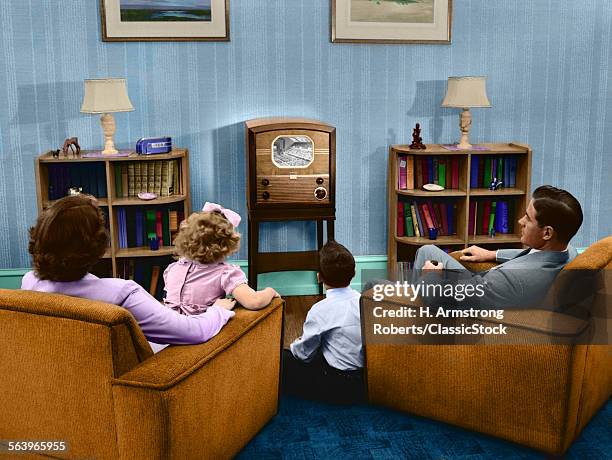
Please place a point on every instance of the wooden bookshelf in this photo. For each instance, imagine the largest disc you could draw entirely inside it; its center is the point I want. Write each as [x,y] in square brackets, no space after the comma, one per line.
[403,248]
[112,202]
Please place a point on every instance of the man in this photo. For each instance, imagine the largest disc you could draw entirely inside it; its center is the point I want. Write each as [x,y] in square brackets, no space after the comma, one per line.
[551,219]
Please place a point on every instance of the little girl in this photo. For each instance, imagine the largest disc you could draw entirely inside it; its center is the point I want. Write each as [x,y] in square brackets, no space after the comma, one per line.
[201,276]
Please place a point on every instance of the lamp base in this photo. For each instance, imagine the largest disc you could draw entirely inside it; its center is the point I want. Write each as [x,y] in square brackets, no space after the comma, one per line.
[108,128]
[465,121]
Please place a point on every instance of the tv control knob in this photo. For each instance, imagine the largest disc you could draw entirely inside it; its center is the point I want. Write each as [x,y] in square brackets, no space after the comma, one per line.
[319,180]
[265,195]
[265,182]
[320,193]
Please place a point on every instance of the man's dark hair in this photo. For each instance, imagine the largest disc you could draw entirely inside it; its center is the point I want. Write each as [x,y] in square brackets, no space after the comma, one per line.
[336,265]
[68,239]
[558,209]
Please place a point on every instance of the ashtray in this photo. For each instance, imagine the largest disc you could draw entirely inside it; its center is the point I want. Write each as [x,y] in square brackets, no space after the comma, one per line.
[147,196]
[433,187]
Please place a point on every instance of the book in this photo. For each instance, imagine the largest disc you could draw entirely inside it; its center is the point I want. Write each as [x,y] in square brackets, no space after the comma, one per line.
[444,215]
[433,215]
[455,173]
[512,172]
[492,217]
[159,226]
[486,213]
[474,172]
[158,176]
[177,178]
[173,224]
[131,185]
[138,177]
[502,217]
[401,169]
[415,222]
[419,219]
[430,172]
[150,224]
[151,177]
[477,212]
[124,181]
[436,172]
[500,168]
[165,179]
[410,172]
[481,178]
[400,219]
[449,173]
[493,168]
[166,227]
[140,226]
[130,227]
[408,225]
[442,173]
[117,172]
[427,215]
[101,180]
[418,166]
[487,172]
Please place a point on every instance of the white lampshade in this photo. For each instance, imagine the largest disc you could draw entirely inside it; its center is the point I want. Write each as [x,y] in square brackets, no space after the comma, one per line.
[466,92]
[106,96]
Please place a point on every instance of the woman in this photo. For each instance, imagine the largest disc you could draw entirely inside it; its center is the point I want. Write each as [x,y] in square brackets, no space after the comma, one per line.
[69,238]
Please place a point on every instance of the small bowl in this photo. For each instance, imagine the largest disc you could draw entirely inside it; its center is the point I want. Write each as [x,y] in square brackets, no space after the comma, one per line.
[147,196]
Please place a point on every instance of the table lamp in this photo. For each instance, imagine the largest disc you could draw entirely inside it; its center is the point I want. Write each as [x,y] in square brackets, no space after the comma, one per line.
[466,92]
[106,96]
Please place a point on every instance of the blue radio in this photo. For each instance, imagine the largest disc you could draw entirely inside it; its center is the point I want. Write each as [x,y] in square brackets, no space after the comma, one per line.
[152,145]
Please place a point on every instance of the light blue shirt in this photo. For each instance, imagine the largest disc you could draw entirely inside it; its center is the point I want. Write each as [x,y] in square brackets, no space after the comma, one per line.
[333,324]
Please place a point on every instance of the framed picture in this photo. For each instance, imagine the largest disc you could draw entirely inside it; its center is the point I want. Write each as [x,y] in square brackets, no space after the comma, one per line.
[165,20]
[391,21]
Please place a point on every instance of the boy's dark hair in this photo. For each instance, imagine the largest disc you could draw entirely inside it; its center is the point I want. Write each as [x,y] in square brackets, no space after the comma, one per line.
[559,209]
[68,239]
[336,265]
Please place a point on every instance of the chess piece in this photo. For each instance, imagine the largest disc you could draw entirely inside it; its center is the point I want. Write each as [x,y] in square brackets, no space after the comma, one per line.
[417,140]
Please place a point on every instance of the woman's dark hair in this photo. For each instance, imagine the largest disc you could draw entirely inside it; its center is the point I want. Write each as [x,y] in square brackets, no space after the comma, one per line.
[558,209]
[68,239]
[336,265]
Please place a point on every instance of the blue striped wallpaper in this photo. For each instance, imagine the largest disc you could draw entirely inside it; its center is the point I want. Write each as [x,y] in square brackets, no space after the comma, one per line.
[549,78]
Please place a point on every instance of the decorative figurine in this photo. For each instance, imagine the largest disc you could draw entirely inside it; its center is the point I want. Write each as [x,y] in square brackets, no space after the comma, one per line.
[495,184]
[75,191]
[417,141]
[55,153]
[71,143]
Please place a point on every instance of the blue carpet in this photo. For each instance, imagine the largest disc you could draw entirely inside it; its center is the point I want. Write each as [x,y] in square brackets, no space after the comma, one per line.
[310,430]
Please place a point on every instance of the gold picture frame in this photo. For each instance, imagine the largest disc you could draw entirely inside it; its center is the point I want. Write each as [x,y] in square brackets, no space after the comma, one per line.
[128,21]
[391,21]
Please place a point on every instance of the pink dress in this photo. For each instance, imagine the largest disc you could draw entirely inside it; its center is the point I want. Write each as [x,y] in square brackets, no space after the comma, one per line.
[191,287]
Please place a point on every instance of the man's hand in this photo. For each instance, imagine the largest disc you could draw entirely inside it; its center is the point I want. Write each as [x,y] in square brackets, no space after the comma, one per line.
[477,254]
[429,266]
[228,304]
[275,294]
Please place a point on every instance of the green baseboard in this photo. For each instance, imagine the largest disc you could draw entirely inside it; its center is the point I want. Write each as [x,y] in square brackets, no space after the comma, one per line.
[286,283]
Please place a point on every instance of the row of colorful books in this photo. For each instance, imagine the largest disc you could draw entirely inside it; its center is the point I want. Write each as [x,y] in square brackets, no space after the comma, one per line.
[414,172]
[486,167]
[137,225]
[162,177]
[90,177]
[487,216]
[416,218]
[148,272]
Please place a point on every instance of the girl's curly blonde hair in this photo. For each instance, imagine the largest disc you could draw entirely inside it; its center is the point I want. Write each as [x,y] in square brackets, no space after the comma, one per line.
[206,237]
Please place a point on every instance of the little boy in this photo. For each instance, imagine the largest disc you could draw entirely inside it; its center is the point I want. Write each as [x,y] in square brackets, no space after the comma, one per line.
[326,362]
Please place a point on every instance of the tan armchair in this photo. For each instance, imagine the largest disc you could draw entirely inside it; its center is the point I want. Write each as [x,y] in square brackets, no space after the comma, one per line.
[539,395]
[81,371]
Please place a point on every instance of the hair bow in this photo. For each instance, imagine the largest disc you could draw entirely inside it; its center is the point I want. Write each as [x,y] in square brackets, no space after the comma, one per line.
[232,216]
